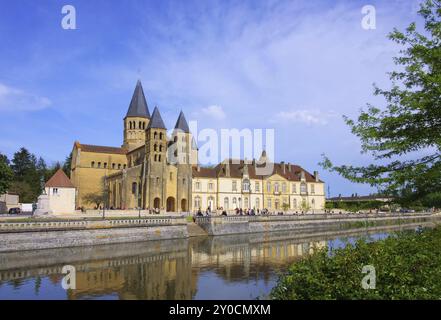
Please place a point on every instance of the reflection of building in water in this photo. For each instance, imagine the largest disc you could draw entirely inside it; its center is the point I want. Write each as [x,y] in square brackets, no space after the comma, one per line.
[239,261]
[173,275]
[157,277]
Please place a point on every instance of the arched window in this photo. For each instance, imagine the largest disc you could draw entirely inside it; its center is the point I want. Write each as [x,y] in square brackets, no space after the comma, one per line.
[157,180]
[257,203]
[155,135]
[119,166]
[234,202]
[268,186]
[156,157]
[294,189]
[140,125]
[276,187]
[283,187]
[160,136]
[294,203]
[155,147]
[159,158]
[134,188]
[246,202]
[92,164]
[160,148]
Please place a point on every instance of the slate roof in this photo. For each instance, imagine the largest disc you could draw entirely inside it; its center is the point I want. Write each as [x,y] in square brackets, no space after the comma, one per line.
[138,105]
[156,120]
[182,124]
[59,180]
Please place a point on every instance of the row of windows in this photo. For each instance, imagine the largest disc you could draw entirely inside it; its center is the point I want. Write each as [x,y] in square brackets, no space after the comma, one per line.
[198,185]
[141,125]
[246,186]
[276,187]
[237,203]
[104,165]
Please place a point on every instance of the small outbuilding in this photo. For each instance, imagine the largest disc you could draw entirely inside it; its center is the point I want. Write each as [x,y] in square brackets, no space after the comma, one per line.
[59,196]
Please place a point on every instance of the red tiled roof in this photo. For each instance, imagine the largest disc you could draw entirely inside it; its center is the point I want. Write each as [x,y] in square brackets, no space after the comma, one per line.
[101,149]
[59,180]
[292,172]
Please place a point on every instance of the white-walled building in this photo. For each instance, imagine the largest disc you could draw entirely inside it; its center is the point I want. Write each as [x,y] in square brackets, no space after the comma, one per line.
[59,197]
[235,184]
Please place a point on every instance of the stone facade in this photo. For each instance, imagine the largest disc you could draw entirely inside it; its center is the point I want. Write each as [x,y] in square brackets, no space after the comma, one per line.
[152,170]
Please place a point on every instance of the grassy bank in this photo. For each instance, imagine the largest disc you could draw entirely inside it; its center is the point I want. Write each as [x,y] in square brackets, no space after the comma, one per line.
[407,266]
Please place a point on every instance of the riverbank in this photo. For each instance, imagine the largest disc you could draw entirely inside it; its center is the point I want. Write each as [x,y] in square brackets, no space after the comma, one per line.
[407,266]
[244,266]
[45,233]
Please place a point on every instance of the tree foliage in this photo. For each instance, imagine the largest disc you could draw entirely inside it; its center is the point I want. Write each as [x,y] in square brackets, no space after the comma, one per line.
[24,174]
[405,137]
[6,174]
[407,266]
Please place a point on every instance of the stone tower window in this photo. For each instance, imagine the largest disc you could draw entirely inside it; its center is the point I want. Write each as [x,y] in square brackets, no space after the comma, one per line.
[155,135]
[92,164]
[160,136]
[99,164]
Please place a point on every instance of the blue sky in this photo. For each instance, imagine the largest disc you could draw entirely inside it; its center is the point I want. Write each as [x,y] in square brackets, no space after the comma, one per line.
[295,66]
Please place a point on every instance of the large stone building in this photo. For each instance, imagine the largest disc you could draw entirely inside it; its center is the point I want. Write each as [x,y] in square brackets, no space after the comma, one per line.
[154,170]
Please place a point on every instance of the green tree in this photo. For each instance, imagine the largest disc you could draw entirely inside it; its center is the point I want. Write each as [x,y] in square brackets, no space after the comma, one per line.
[405,137]
[27,177]
[67,164]
[6,174]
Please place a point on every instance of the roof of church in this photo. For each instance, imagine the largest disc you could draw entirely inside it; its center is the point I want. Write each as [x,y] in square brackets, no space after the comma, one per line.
[100,149]
[291,172]
[156,120]
[182,124]
[59,180]
[138,105]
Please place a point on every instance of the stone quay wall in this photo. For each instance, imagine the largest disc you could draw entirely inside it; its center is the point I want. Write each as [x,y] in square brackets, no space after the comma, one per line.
[216,225]
[17,236]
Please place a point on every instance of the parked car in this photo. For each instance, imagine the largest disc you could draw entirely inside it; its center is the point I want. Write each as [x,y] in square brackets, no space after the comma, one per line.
[14,211]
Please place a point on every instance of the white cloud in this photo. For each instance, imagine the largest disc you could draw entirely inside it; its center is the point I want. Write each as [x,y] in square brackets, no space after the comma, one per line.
[214,111]
[309,117]
[13,99]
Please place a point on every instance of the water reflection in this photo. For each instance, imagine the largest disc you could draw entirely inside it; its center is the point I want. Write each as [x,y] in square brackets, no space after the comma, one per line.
[227,267]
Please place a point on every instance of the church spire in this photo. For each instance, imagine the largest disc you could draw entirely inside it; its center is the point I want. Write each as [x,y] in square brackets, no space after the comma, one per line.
[156,120]
[182,124]
[138,105]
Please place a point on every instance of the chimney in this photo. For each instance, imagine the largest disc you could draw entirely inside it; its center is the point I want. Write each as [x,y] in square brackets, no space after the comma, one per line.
[198,168]
[289,167]
[316,176]
[283,167]
[227,168]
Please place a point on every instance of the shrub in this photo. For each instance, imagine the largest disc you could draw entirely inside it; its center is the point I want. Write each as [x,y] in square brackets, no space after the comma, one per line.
[407,265]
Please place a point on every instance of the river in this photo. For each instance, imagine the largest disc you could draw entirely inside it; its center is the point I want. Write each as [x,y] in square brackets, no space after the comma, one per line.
[222,267]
